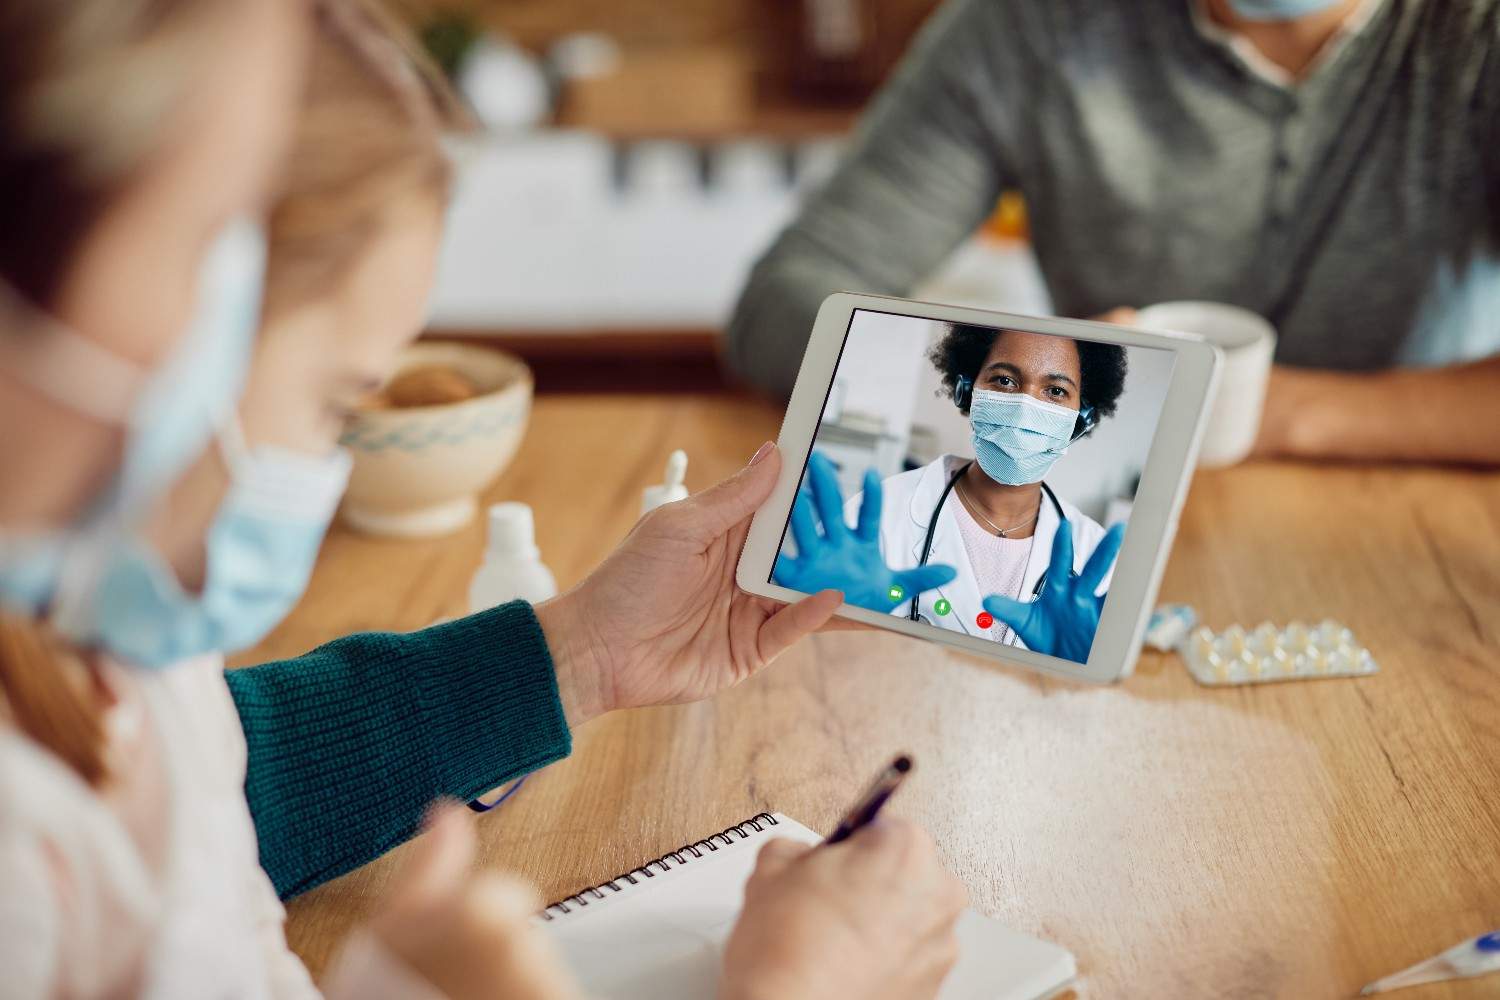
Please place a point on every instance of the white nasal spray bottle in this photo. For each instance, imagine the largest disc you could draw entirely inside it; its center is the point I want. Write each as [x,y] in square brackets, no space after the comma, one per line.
[512,566]
[670,488]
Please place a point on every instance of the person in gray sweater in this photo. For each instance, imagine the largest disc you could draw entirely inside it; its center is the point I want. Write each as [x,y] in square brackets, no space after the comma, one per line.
[1333,165]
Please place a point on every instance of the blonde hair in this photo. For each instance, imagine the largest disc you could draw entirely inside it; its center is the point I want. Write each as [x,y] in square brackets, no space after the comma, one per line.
[51,697]
[370,131]
[88,89]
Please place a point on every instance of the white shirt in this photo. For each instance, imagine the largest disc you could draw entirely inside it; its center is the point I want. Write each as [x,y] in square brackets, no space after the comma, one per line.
[152,886]
[999,563]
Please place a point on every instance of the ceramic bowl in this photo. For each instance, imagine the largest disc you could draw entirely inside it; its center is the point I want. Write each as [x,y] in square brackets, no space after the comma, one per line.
[418,471]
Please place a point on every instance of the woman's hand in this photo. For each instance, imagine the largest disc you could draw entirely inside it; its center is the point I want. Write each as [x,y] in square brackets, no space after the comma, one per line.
[1063,620]
[847,560]
[661,620]
[470,935]
[870,917]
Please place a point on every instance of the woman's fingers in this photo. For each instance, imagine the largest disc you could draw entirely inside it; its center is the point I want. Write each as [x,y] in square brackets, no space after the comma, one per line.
[1103,557]
[795,621]
[440,860]
[504,901]
[712,512]
[777,854]
[826,497]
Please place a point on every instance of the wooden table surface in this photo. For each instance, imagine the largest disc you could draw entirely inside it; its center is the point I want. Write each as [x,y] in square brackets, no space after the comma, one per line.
[1288,840]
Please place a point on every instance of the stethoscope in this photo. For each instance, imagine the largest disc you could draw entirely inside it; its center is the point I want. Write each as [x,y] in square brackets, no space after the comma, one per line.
[963,391]
[1041,583]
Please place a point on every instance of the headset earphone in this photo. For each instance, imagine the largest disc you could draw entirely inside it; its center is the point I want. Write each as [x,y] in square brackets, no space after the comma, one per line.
[963,395]
[963,392]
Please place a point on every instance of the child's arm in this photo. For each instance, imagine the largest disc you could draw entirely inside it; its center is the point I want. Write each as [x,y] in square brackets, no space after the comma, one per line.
[350,744]
[448,932]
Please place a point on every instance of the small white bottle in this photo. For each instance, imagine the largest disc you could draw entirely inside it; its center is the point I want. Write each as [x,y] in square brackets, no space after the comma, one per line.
[512,566]
[670,488]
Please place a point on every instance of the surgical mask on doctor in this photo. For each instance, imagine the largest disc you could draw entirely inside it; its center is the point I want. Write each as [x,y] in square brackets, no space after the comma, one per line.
[105,587]
[1279,10]
[1018,437]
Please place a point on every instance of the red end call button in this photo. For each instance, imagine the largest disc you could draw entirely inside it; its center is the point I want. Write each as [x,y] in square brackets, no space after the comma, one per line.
[985,619]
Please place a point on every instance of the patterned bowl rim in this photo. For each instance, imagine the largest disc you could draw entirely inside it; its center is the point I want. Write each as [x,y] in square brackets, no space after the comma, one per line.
[445,430]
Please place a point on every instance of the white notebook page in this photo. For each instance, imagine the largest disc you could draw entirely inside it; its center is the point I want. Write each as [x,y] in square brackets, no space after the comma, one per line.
[662,938]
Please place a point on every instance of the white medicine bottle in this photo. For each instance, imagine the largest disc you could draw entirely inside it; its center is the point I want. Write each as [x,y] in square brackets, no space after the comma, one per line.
[671,488]
[512,566]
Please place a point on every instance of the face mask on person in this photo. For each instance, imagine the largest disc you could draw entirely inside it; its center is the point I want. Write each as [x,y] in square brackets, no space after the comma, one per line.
[1017,437]
[1279,10]
[105,587]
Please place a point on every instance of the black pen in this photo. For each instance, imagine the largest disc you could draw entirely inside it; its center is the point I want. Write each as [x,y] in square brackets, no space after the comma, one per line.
[869,804]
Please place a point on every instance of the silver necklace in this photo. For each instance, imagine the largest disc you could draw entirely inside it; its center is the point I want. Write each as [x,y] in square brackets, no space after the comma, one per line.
[1002,532]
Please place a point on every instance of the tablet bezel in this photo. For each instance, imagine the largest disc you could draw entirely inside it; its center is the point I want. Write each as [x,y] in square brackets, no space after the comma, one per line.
[1153,521]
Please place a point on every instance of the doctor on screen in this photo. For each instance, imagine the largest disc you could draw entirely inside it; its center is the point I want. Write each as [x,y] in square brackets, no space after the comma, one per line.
[983,545]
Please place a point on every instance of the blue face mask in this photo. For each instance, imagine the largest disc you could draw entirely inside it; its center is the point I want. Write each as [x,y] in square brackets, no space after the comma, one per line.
[1279,10]
[259,555]
[106,588]
[1017,437]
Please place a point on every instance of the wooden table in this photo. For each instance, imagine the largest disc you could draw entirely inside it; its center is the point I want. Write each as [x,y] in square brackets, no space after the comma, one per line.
[1293,840]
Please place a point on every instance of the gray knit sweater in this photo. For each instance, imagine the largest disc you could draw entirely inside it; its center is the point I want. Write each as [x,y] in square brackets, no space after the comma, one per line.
[1359,209]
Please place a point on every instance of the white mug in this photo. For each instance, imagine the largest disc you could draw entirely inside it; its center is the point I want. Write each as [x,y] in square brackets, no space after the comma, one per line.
[1248,342]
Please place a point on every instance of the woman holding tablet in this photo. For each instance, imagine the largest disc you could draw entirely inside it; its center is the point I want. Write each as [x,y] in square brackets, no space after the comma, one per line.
[976,545]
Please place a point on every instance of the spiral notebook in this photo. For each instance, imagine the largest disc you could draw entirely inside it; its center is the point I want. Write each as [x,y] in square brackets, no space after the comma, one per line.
[659,930]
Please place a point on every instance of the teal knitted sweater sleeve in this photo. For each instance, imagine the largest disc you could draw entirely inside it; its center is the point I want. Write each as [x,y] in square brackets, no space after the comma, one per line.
[350,743]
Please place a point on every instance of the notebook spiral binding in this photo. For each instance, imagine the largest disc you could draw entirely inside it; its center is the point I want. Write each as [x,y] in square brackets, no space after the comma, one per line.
[679,857]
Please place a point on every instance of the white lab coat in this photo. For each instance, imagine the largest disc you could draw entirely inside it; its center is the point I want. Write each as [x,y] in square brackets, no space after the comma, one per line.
[908,501]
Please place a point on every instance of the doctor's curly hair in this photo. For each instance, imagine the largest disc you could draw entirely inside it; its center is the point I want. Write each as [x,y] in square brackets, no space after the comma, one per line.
[963,349]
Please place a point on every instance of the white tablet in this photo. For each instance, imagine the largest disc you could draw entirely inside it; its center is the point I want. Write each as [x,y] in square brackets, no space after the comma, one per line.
[1006,484]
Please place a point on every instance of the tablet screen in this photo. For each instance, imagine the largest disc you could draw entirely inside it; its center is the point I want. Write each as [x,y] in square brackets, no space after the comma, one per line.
[975,478]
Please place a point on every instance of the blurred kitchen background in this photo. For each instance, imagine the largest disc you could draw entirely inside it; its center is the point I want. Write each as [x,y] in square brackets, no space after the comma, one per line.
[636,157]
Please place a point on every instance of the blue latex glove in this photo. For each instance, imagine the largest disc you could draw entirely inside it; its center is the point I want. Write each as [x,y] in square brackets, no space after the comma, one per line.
[1063,620]
[848,561]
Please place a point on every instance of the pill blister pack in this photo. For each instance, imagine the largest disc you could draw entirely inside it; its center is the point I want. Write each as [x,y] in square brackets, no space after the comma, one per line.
[1267,653]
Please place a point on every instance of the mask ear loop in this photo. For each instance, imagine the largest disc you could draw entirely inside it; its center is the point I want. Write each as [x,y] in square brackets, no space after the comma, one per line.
[305,488]
[229,436]
[65,366]
[73,371]
[83,563]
